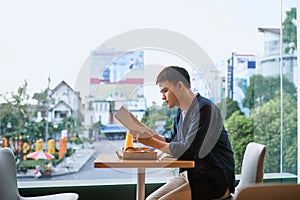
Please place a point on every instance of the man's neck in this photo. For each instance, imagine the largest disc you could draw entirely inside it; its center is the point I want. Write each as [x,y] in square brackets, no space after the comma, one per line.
[187,100]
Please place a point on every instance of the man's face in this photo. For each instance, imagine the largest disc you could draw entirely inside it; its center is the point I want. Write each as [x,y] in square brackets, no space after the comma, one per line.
[168,91]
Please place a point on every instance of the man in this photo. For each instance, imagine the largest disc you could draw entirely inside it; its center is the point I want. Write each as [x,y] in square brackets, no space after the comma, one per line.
[198,134]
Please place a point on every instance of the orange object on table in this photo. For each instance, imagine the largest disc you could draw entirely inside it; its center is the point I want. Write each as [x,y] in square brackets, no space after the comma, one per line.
[128,140]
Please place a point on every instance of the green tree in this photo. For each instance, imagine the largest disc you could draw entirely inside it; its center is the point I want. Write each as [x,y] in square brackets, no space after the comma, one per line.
[8,119]
[15,109]
[228,107]
[96,128]
[68,123]
[15,113]
[267,131]
[289,31]
[43,98]
[32,130]
[240,130]
[262,89]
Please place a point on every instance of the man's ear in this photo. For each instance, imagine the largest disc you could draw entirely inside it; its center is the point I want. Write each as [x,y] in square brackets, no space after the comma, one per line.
[180,84]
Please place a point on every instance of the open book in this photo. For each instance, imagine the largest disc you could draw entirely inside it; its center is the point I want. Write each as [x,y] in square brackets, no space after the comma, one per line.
[129,120]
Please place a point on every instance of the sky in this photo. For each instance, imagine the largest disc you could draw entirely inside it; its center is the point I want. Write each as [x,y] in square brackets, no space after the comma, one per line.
[42,38]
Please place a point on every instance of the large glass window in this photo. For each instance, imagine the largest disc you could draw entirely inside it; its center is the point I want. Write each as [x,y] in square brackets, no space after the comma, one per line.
[64,76]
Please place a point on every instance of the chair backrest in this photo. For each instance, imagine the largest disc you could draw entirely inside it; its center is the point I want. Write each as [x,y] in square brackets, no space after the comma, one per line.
[253,165]
[270,192]
[8,180]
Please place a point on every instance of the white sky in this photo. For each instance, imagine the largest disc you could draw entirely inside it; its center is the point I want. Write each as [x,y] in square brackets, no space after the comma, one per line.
[39,38]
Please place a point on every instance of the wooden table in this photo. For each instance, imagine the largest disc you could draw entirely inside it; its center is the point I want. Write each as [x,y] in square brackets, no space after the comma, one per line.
[112,161]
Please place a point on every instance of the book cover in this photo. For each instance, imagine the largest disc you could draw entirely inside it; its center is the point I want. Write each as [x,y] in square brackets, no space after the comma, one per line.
[129,120]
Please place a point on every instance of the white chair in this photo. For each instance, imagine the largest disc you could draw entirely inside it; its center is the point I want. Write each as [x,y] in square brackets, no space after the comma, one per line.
[252,167]
[8,181]
[270,192]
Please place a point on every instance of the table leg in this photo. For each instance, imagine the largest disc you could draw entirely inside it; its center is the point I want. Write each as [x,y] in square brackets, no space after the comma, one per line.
[140,192]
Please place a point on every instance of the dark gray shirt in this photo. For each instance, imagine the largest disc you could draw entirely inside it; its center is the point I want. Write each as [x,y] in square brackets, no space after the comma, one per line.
[201,137]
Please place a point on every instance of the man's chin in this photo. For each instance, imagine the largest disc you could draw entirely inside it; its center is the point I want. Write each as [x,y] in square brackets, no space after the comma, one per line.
[170,106]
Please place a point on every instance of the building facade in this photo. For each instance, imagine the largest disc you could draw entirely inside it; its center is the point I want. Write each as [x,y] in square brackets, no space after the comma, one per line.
[269,61]
[63,102]
[67,103]
[239,70]
[116,79]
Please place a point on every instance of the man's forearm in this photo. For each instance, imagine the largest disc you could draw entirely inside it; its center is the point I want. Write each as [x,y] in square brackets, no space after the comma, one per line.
[156,143]
[158,137]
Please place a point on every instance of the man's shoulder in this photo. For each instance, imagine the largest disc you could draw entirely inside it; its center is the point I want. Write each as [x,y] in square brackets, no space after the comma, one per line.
[203,100]
[206,102]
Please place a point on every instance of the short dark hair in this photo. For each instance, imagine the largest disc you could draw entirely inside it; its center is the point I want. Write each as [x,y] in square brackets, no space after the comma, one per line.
[173,74]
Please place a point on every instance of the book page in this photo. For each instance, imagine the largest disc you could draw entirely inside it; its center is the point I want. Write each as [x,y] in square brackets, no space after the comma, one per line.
[129,120]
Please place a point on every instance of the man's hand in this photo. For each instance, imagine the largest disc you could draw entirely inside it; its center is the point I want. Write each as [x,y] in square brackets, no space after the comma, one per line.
[148,141]
[145,137]
[150,138]
[146,133]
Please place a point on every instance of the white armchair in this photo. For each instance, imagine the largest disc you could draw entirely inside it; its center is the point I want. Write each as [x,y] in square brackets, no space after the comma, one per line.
[8,181]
